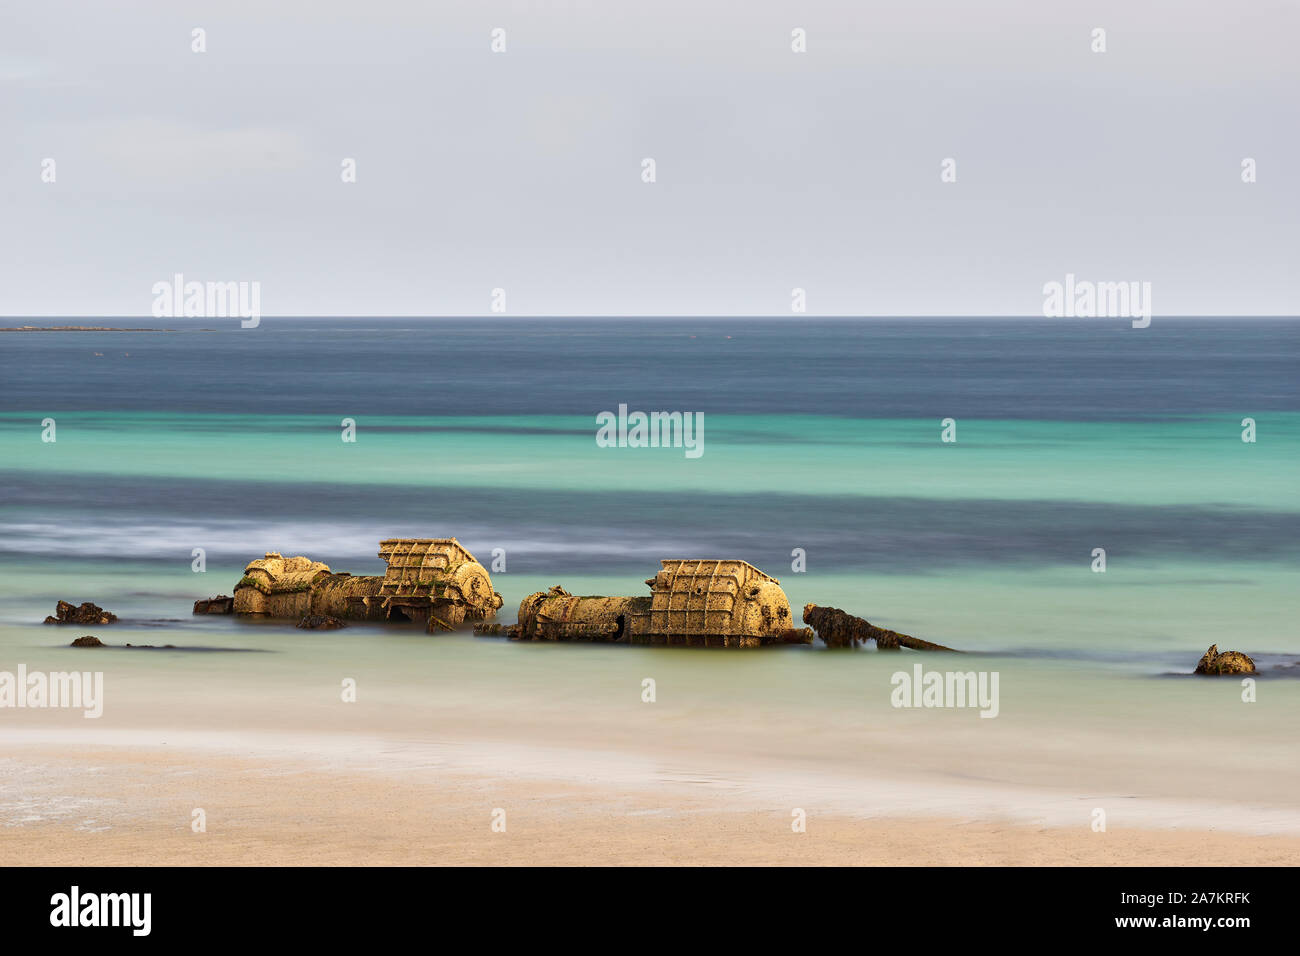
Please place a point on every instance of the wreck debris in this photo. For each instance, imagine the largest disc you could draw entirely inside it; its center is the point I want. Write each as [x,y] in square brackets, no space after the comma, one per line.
[432,581]
[87,640]
[709,599]
[321,622]
[1227,662]
[837,628]
[221,604]
[276,586]
[343,595]
[437,581]
[86,613]
[557,615]
[706,603]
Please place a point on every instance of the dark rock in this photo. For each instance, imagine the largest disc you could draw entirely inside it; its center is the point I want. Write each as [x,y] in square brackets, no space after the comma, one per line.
[89,640]
[321,622]
[1229,662]
[221,604]
[87,613]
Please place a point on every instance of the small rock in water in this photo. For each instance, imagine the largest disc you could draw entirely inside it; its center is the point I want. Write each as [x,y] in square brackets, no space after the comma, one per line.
[321,622]
[1229,662]
[88,640]
[87,613]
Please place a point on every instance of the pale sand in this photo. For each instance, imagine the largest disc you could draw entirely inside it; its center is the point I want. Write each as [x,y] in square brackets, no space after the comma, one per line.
[125,804]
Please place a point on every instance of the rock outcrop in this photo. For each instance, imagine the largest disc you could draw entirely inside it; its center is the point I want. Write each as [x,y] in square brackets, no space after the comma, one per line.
[86,613]
[88,640]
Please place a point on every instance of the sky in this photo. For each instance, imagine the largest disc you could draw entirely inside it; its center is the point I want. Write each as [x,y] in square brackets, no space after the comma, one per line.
[774,170]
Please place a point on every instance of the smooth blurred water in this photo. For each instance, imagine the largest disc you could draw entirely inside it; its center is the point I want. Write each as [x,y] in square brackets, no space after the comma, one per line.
[820,435]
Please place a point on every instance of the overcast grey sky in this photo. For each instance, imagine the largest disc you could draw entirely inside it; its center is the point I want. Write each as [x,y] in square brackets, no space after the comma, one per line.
[775,169]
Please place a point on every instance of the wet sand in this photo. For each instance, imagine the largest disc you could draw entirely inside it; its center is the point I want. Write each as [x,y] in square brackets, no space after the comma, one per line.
[134,805]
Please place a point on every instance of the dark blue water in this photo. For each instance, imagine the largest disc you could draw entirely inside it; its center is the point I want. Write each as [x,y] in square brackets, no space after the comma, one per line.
[912,368]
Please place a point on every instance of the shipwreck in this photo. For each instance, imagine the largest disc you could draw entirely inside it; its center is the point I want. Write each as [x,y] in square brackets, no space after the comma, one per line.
[431,581]
[437,583]
[704,603]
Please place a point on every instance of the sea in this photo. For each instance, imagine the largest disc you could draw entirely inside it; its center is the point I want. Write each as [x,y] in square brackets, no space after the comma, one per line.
[1081,506]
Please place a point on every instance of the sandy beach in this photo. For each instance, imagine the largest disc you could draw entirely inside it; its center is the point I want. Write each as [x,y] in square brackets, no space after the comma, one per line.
[133,805]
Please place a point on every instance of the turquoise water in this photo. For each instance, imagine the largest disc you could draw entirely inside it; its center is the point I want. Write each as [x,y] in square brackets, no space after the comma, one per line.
[1196,461]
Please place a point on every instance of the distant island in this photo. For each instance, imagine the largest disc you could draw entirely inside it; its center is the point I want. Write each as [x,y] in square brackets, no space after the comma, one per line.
[89,328]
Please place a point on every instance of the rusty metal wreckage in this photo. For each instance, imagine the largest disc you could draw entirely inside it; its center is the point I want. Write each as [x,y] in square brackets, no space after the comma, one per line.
[438,583]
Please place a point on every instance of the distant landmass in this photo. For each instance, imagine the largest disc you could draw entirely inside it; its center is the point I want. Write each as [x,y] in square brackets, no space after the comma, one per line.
[88,328]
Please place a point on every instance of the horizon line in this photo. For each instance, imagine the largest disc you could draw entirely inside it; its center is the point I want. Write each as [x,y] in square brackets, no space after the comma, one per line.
[641,315]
